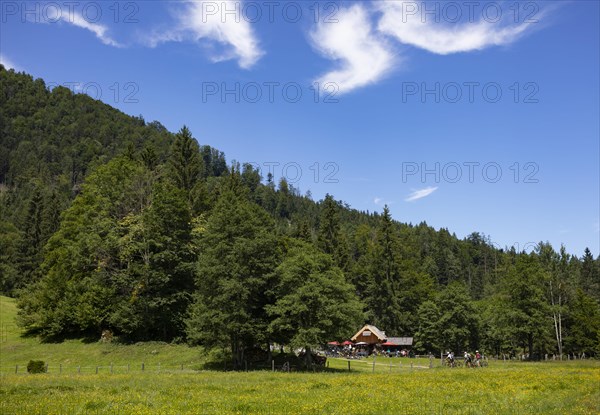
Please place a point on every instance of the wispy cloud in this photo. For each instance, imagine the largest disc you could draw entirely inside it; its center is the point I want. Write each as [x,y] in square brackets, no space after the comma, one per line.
[420,194]
[200,22]
[99,30]
[382,202]
[443,38]
[8,64]
[363,55]
[73,17]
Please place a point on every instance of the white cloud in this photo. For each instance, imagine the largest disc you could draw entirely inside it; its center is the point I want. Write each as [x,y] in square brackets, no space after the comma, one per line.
[442,38]
[73,17]
[99,30]
[364,56]
[420,194]
[8,64]
[382,202]
[205,20]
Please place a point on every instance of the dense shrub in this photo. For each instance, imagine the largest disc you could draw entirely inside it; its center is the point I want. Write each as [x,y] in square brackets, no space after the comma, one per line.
[36,366]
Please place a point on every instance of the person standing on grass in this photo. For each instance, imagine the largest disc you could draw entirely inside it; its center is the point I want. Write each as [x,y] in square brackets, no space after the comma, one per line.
[468,359]
[450,359]
[477,358]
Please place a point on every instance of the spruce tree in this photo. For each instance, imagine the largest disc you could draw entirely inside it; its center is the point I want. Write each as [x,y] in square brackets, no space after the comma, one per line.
[235,269]
[185,162]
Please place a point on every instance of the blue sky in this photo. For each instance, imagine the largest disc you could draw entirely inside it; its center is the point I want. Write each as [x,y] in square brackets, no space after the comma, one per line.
[471,116]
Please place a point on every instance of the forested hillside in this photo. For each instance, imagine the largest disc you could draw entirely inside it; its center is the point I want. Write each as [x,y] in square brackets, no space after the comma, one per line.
[111,223]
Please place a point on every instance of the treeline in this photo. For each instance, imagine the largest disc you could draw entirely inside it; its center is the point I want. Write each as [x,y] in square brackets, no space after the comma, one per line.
[152,236]
[49,142]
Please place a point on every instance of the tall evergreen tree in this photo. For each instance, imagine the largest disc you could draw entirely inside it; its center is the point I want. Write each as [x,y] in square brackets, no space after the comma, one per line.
[238,257]
[156,280]
[381,298]
[76,291]
[458,321]
[524,305]
[590,274]
[330,238]
[284,197]
[428,337]
[185,163]
[584,325]
[10,242]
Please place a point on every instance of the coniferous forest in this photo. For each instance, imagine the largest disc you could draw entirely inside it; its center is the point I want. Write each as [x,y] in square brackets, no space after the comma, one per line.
[110,222]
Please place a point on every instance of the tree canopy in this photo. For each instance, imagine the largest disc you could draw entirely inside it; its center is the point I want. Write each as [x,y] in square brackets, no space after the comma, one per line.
[108,222]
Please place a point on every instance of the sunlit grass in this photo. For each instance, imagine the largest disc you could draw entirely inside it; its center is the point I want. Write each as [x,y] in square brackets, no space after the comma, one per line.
[528,389]
[76,356]
[394,388]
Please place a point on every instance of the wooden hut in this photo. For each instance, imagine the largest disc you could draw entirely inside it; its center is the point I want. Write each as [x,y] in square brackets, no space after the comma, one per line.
[370,335]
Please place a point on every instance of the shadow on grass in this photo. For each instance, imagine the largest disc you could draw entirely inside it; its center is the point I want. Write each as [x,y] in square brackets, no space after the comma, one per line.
[86,338]
[281,362]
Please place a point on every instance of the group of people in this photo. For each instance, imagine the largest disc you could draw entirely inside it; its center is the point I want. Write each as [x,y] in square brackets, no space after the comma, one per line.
[469,359]
[394,353]
[348,351]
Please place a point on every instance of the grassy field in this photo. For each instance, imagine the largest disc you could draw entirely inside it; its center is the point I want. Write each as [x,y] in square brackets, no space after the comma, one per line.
[16,350]
[502,388]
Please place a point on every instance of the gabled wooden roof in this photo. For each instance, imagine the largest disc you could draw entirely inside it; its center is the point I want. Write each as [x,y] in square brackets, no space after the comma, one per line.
[367,327]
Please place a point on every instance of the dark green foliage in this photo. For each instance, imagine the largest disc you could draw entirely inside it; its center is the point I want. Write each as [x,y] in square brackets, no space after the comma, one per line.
[583,325]
[214,162]
[382,290]
[284,200]
[10,244]
[330,238]
[109,222]
[36,366]
[239,253]
[185,163]
[428,337]
[49,142]
[121,259]
[157,275]
[76,292]
[524,308]
[458,320]
[314,301]
[590,274]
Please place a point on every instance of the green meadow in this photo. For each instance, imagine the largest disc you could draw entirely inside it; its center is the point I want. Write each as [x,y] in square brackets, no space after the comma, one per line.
[175,380]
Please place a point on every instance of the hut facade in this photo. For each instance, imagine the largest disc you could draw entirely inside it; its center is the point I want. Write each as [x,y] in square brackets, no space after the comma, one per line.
[370,335]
